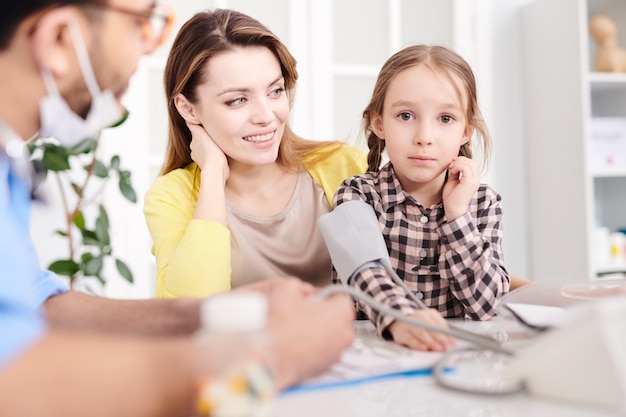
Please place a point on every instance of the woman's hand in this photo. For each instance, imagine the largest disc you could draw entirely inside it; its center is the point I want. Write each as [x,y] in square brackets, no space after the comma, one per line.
[463,182]
[420,339]
[205,152]
[211,204]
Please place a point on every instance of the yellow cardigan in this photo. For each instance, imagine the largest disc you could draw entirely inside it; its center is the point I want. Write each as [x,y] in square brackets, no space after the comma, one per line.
[193,256]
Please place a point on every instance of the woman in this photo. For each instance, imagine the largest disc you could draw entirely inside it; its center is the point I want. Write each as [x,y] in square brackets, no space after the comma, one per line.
[240,193]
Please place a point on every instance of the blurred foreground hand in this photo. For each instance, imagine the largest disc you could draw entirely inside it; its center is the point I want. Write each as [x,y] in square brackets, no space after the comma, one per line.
[310,333]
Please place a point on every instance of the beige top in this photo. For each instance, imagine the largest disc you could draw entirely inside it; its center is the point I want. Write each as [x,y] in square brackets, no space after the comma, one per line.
[286,244]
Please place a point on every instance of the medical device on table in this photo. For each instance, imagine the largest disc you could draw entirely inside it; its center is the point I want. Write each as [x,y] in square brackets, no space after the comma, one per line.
[582,361]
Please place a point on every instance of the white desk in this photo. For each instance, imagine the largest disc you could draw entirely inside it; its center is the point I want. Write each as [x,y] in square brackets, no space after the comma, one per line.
[421,396]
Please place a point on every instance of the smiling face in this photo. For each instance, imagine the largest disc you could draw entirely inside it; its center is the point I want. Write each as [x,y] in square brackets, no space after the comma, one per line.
[423,125]
[243,106]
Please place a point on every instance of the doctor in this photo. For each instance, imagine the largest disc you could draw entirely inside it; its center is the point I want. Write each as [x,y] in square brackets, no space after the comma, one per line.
[64,64]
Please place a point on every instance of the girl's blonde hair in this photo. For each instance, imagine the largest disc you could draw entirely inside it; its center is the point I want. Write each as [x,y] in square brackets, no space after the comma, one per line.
[447,62]
[203,37]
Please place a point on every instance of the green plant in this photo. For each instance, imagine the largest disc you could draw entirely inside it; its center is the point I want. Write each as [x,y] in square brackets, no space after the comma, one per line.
[81,177]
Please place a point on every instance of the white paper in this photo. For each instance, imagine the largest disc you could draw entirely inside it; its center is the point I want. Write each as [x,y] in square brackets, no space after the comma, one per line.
[370,356]
[537,315]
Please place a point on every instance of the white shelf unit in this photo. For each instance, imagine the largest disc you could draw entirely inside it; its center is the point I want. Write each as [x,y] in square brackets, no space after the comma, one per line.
[566,199]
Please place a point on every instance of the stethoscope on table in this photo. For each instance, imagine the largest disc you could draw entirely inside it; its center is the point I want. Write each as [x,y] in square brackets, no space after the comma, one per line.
[469,369]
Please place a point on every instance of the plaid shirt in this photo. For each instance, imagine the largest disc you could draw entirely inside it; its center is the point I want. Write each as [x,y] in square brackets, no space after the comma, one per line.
[457,266]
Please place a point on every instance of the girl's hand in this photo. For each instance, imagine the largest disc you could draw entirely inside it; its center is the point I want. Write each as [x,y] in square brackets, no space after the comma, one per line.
[463,182]
[205,152]
[419,339]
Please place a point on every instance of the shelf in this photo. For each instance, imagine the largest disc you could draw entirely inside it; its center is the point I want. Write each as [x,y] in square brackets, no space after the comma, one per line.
[611,271]
[607,81]
[562,87]
[616,174]
[612,267]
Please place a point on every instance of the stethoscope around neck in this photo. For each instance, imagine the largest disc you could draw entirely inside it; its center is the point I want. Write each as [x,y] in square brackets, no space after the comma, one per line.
[16,150]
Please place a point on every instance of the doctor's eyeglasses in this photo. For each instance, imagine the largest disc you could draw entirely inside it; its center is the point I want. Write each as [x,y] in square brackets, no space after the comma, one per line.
[156,22]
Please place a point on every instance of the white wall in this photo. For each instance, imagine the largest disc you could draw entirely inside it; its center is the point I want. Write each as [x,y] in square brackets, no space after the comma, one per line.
[486,30]
[509,164]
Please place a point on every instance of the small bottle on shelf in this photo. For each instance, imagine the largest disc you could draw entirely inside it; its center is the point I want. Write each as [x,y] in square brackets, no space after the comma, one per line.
[618,244]
[234,356]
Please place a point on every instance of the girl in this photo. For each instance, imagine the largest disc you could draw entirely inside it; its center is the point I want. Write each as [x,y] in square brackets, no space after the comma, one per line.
[240,193]
[442,227]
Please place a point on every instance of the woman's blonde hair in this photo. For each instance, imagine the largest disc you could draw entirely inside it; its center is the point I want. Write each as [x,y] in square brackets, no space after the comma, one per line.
[203,37]
[435,57]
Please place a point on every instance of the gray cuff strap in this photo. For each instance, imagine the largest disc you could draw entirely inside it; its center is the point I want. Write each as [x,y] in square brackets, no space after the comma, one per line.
[371,264]
[353,237]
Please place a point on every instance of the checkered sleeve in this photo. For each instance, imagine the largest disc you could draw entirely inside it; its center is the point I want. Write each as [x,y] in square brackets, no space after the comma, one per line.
[374,281]
[472,259]
[377,283]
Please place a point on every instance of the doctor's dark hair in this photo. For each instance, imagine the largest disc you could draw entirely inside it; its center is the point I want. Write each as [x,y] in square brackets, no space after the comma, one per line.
[13,13]
[444,62]
[203,37]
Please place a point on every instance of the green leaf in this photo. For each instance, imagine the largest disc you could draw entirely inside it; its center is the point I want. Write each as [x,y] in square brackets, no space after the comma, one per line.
[61,233]
[93,267]
[55,159]
[124,270]
[123,118]
[100,170]
[103,282]
[102,231]
[127,189]
[85,146]
[65,267]
[79,220]
[103,213]
[76,188]
[115,162]
[90,290]
[90,238]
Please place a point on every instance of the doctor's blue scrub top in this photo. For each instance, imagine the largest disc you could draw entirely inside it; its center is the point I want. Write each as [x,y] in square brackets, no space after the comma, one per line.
[23,285]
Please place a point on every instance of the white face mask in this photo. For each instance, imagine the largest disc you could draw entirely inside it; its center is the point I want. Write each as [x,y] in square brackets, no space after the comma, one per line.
[57,118]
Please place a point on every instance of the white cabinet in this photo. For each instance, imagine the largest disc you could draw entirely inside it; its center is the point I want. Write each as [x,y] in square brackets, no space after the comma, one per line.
[567,198]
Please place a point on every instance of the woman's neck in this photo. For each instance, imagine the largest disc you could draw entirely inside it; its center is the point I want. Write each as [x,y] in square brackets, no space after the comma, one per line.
[260,190]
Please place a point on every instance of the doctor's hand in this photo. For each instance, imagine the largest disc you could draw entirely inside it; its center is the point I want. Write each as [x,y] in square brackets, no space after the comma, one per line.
[309,333]
[420,339]
[463,182]
[205,152]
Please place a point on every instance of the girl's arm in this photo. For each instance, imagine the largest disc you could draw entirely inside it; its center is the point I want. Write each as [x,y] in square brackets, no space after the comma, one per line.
[377,283]
[192,255]
[472,259]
